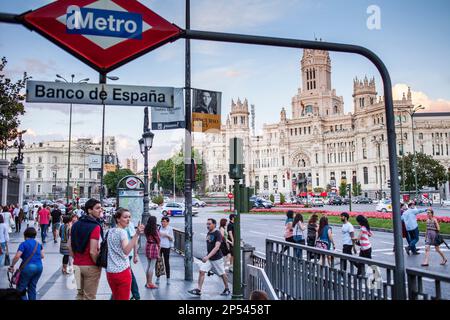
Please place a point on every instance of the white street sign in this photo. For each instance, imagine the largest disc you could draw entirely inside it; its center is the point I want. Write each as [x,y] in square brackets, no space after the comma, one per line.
[87,93]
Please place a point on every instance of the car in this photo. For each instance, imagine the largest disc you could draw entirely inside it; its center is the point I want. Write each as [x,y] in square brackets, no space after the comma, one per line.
[364,200]
[261,203]
[445,203]
[346,201]
[198,203]
[175,209]
[317,202]
[153,206]
[335,201]
[384,205]
[166,199]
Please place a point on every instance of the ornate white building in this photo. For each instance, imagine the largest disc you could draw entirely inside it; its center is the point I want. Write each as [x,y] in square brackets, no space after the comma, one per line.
[46,167]
[320,145]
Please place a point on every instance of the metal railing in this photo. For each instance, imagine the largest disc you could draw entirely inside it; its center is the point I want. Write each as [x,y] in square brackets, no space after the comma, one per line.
[257,280]
[178,245]
[299,272]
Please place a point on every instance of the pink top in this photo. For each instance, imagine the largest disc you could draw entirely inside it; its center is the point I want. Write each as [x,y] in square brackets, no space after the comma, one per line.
[44,216]
[364,239]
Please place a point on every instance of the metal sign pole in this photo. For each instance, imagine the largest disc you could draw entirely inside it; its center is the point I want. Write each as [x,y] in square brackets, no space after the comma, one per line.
[188,257]
[102,81]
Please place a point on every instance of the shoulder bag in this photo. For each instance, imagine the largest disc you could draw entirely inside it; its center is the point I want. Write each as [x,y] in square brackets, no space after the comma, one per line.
[16,276]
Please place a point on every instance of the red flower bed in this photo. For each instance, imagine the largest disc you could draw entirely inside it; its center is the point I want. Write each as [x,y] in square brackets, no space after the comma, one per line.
[373,214]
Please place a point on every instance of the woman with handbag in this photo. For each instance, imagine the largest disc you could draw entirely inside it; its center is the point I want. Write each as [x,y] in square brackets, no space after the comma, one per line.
[30,270]
[433,238]
[4,238]
[225,246]
[64,233]
[152,249]
[325,239]
[118,268]
[299,237]
[167,237]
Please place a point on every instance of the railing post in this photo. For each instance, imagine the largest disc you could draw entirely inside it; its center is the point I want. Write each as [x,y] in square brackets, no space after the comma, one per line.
[247,255]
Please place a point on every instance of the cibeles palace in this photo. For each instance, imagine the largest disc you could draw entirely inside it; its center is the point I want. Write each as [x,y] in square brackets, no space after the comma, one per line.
[318,144]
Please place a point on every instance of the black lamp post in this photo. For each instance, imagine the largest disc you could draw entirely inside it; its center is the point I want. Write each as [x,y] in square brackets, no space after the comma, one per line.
[412,112]
[145,144]
[19,144]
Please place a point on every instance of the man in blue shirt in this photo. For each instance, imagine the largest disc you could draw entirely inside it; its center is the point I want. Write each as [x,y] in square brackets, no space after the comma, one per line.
[409,217]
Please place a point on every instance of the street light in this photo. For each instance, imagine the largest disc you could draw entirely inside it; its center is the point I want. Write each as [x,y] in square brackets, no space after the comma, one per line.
[412,112]
[70,129]
[102,79]
[55,174]
[378,141]
[19,144]
[145,144]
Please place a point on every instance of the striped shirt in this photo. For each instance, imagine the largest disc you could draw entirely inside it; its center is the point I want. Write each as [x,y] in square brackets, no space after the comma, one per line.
[364,239]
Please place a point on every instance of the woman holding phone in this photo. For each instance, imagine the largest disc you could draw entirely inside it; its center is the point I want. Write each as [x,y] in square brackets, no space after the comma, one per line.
[118,270]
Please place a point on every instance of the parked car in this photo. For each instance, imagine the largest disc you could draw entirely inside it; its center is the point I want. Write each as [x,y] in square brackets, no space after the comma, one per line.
[198,203]
[261,203]
[153,206]
[175,209]
[317,202]
[346,201]
[335,201]
[384,206]
[445,203]
[364,200]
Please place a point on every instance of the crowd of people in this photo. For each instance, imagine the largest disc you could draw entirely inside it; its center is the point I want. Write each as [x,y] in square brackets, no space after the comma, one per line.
[86,248]
[318,233]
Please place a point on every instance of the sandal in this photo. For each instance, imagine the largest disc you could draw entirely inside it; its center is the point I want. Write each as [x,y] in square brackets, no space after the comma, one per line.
[151,286]
[443,263]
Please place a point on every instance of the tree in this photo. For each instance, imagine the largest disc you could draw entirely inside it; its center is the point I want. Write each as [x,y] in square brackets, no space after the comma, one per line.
[343,189]
[430,172]
[356,189]
[112,178]
[11,106]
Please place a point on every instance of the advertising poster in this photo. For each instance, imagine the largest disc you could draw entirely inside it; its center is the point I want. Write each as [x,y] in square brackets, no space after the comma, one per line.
[206,110]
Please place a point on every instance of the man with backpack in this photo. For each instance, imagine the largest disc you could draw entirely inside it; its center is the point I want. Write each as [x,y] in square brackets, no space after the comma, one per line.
[84,248]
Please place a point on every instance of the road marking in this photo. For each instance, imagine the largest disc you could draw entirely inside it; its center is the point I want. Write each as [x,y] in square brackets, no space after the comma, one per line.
[257,232]
[387,242]
[271,235]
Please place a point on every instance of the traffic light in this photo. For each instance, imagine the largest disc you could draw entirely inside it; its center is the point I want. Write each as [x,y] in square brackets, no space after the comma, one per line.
[349,187]
[389,183]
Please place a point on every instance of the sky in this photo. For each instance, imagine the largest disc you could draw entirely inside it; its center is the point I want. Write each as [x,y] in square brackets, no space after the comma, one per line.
[412,40]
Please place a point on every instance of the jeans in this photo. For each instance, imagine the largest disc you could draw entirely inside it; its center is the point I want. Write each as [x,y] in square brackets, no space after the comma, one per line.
[134,286]
[347,249]
[29,277]
[3,255]
[165,252]
[44,228]
[299,252]
[364,254]
[413,239]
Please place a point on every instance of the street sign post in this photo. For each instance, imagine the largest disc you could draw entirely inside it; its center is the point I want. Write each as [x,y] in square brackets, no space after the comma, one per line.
[84,93]
[230,196]
[102,34]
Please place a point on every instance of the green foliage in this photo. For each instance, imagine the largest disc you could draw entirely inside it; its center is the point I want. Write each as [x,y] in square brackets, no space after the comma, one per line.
[282,198]
[343,189]
[356,189]
[430,172]
[166,169]
[272,198]
[112,178]
[11,107]
[159,200]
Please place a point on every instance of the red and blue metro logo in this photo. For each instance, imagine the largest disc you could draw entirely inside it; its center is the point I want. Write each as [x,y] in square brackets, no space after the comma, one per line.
[105,34]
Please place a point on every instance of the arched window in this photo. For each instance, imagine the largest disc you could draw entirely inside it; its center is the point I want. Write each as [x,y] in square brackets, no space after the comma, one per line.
[309,109]
[301,163]
[336,109]
[366,175]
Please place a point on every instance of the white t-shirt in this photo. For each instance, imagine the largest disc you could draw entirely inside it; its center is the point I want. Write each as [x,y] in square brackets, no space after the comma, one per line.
[165,242]
[117,260]
[347,228]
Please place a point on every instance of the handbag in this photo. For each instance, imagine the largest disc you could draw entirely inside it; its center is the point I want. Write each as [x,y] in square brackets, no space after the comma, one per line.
[7,259]
[160,269]
[16,276]
[102,259]
[439,239]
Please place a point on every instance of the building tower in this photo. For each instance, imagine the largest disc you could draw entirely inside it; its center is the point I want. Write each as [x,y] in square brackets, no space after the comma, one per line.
[239,115]
[364,93]
[316,70]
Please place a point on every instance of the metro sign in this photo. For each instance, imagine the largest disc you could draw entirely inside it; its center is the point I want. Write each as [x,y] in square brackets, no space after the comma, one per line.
[104,34]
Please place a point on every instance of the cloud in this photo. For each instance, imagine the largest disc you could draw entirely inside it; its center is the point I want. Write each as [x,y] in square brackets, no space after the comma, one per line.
[34,67]
[232,14]
[421,98]
[64,108]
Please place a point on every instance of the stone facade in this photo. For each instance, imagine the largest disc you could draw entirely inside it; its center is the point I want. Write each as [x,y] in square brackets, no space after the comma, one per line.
[321,145]
[46,167]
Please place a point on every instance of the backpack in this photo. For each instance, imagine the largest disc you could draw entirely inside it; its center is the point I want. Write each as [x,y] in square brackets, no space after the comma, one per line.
[102,259]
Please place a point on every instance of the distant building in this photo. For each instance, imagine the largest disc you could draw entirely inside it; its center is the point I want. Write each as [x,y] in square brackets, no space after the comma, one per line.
[320,145]
[46,167]
[132,163]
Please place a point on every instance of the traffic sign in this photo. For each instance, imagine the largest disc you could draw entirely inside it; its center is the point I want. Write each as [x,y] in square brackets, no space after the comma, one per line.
[230,196]
[132,183]
[104,34]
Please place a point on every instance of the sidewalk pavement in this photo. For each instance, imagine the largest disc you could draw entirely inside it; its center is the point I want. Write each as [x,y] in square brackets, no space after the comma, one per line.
[52,284]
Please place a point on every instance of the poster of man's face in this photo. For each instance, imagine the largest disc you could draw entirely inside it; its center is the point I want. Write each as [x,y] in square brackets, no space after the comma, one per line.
[207,102]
